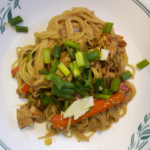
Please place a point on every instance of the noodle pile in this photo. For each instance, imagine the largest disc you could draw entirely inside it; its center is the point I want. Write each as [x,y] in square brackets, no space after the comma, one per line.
[82,26]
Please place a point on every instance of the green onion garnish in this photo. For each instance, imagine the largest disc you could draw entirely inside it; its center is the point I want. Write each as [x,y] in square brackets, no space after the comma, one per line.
[68,84]
[80,59]
[57,92]
[53,100]
[143,64]
[21,28]
[56,79]
[28,56]
[106,91]
[43,72]
[86,61]
[114,85]
[57,51]
[108,27]
[126,75]
[68,91]
[100,83]
[83,93]
[74,69]
[87,47]
[15,21]
[44,98]
[54,67]
[102,96]
[72,54]
[83,84]
[63,69]
[46,54]
[72,44]
[66,104]
[93,55]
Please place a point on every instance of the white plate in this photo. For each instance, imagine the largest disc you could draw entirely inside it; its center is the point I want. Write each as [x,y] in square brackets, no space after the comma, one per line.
[131,19]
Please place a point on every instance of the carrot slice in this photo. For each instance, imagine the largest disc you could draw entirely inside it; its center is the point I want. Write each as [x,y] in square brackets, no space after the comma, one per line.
[14,71]
[25,88]
[99,106]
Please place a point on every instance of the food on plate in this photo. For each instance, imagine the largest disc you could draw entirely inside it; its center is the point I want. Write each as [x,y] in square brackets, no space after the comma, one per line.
[74,76]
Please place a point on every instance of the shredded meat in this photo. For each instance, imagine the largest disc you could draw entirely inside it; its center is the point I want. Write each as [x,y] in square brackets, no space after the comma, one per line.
[21,95]
[23,117]
[36,114]
[89,31]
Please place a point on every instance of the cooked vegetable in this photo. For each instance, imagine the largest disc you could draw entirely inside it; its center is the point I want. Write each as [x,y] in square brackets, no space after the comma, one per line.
[78,108]
[15,21]
[93,55]
[72,54]
[46,54]
[100,83]
[86,61]
[74,69]
[68,84]
[56,79]
[54,67]
[57,51]
[80,59]
[44,98]
[83,84]
[63,69]
[25,88]
[67,90]
[14,71]
[114,85]
[66,104]
[72,44]
[106,91]
[143,64]
[124,87]
[82,92]
[108,27]
[99,106]
[102,96]
[104,54]
[43,72]
[126,75]
[21,28]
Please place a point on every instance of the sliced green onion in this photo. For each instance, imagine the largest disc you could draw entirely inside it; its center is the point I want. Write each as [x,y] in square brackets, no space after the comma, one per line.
[126,75]
[15,21]
[63,69]
[102,96]
[143,64]
[93,55]
[68,84]
[79,59]
[66,104]
[108,27]
[68,91]
[57,92]
[86,61]
[28,56]
[72,54]
[114,85]
[72,44]
[100,82]
[21,28]
[83,84]
[74,69]
[87,47]
[83,93]
[44,98]
[54,67]
[57,51]
[43,72]
[87,74]
[106,91]
[53,100]
[46,54]
[56,79]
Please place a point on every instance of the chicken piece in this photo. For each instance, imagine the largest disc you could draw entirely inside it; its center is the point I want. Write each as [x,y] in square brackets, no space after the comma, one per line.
[23,117]
[36,114]
[89,31]
[82,41]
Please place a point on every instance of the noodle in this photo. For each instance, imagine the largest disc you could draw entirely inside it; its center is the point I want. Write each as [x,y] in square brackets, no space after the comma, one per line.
[82,26]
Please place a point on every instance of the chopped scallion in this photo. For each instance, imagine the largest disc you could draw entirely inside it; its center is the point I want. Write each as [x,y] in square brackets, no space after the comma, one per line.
[72,54]
[74,69]
[15,21]
[72,44]
[143,64]
[54,67]
[126,75]
[93,55]
[63,69]
[102,96]
[68,84]
[86,61]
[57,51]
[108,27]
[79,59]
[106,91]
[21,28]
[46,54]
[114,85]
[100,83]
[66,104]
[43,72]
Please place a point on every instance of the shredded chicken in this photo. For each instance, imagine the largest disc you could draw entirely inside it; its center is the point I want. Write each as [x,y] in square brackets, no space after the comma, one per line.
[36,114]
[23,117]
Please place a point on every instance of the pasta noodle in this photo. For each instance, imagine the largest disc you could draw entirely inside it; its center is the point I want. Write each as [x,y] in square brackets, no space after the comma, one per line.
[81,26]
